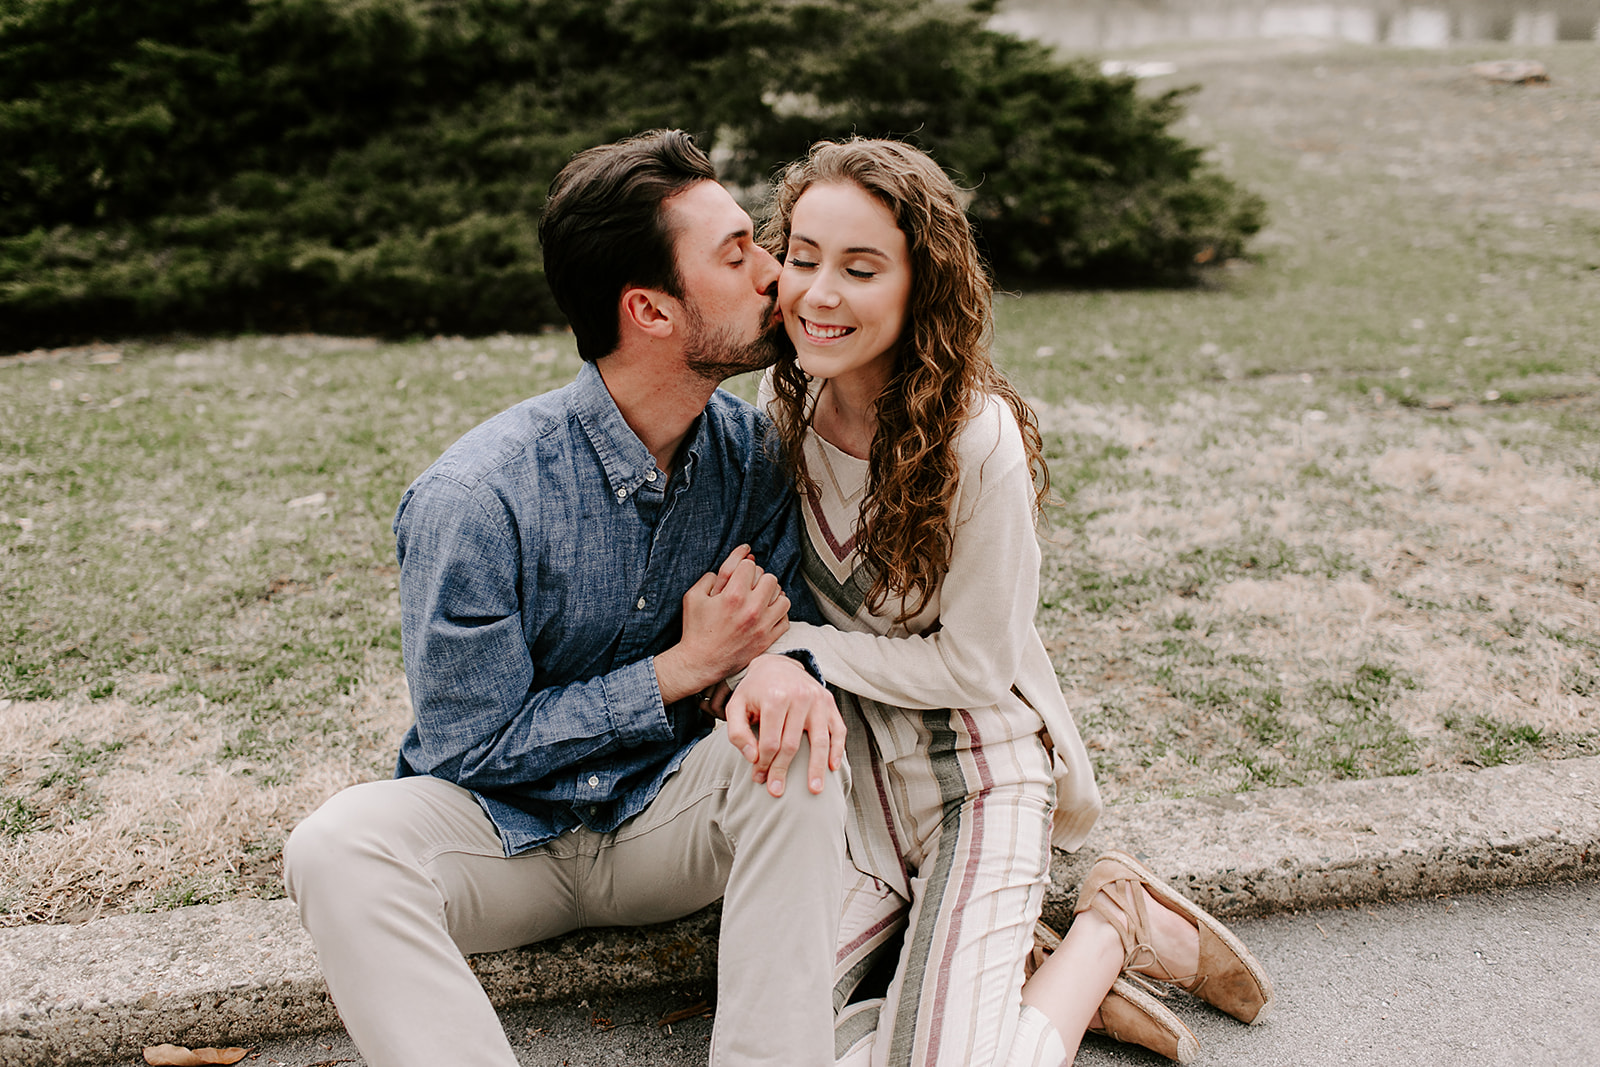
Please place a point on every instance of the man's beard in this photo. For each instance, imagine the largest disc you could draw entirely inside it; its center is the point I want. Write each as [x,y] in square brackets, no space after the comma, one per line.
[716,356]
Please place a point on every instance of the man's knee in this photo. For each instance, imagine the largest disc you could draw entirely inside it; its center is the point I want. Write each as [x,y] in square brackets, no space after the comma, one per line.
[327,847]
[798,804]
[310,853]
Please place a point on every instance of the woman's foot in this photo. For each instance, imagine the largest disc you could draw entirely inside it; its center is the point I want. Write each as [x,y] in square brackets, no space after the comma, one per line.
[1175,941]
[1127,1012]
[1135,1017]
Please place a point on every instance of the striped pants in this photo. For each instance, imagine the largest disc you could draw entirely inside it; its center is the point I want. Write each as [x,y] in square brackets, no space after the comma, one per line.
[957,804]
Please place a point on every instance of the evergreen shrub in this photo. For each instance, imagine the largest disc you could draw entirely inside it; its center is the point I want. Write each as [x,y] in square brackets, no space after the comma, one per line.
[378,165]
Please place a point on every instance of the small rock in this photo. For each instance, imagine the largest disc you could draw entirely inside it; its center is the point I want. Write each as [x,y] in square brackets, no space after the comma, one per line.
[1440,403]
[1512,72]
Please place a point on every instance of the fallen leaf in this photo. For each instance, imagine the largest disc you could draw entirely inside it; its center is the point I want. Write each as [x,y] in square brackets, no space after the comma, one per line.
[699,1008]
[178,1056]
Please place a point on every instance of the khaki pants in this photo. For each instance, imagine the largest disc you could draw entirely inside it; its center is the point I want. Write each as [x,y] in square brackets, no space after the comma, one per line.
[396,880]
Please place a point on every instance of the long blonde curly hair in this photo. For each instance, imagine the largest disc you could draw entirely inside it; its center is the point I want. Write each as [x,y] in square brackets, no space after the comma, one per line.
[942,367]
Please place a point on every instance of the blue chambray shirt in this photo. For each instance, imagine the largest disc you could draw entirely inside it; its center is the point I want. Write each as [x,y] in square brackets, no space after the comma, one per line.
[542,567]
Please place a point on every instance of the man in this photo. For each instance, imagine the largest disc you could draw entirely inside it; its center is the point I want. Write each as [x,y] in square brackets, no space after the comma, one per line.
[575,573]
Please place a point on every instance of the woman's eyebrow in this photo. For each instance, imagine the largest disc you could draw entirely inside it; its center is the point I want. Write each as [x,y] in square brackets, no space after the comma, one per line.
[856,250]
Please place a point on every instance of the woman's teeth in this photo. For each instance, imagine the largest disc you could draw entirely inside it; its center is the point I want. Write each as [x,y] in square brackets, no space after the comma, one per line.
[826,333]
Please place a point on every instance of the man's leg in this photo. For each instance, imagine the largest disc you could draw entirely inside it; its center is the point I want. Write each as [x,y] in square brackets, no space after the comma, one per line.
[778,863]
[395,881]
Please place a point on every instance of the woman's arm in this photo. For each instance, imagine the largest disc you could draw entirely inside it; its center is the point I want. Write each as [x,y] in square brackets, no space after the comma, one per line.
[986,602]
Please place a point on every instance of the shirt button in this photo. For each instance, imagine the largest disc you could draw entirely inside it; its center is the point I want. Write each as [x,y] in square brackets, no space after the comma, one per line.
[641,604]
[593,781]
[592,811]
[622,494]
[651,476]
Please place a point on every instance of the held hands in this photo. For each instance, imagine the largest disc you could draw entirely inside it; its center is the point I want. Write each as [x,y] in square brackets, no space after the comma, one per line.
[775,704]
[729,618]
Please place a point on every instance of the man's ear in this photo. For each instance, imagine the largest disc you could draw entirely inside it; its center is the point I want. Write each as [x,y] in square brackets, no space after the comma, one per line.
[650,311]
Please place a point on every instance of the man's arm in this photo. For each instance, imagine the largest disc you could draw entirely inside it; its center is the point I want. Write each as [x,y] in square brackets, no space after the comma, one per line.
[729,618]
[486,718]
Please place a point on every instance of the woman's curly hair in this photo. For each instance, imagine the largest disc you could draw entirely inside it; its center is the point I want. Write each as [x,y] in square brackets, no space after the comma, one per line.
[942,369]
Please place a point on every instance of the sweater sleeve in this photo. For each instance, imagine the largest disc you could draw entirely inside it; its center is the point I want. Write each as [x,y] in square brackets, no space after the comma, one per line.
[986,603]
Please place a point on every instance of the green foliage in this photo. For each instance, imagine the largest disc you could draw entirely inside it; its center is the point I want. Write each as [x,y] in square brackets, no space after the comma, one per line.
[377,165]
[1073,173]
[16,818]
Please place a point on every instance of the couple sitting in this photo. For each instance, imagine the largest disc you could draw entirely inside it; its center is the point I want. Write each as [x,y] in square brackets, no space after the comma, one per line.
[585,575]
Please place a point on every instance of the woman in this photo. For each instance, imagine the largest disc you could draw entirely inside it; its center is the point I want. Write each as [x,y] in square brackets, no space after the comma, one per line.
[920,475]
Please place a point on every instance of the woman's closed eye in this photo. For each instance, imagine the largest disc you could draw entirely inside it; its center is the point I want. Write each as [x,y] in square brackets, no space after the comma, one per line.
[864,275]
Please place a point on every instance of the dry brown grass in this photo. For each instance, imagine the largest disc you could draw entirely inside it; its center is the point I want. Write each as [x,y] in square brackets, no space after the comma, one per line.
[1448,571]
[141,813]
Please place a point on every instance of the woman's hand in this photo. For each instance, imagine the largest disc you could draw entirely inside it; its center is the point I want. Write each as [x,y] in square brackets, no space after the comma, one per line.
[777,704]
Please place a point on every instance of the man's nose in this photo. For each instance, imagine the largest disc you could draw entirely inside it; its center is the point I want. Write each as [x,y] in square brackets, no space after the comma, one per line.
[767,270]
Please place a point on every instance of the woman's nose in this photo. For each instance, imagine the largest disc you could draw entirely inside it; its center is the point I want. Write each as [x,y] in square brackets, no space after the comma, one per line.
[822,293]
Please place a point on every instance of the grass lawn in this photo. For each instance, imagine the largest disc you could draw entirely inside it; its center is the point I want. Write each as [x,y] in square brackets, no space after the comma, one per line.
[1331,514]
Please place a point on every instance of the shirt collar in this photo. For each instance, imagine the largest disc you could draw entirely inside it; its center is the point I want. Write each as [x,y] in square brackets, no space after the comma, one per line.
[627,462]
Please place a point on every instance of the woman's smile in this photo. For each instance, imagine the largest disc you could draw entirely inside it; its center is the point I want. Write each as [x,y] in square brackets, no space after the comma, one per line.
[819,332]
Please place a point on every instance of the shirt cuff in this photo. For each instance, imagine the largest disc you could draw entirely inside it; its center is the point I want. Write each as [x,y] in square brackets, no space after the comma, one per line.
[633,700]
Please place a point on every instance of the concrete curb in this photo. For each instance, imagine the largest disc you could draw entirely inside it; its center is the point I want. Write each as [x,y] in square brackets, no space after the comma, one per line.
[233,974]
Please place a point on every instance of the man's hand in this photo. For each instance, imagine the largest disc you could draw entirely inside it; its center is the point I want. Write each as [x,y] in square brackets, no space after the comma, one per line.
[777,702]
[729,618]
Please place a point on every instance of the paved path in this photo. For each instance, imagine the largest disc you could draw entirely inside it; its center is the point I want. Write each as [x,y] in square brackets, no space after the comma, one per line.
[1483,980]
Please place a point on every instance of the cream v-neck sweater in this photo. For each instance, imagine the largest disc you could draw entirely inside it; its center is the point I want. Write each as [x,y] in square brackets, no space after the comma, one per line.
[974,643]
